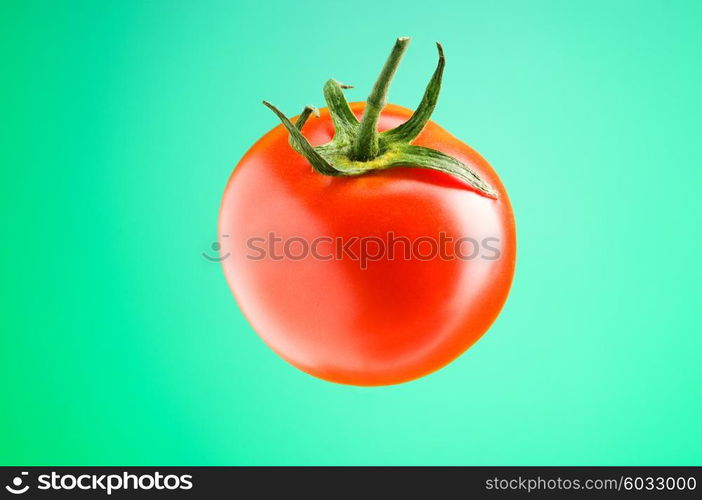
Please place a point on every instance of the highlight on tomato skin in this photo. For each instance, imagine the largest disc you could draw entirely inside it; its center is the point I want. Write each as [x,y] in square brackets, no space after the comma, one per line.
[364,250]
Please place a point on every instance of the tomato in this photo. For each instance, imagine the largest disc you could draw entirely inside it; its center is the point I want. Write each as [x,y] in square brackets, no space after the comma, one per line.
[364,317]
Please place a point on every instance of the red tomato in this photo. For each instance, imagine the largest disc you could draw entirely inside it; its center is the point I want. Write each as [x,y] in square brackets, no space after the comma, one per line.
[392,319]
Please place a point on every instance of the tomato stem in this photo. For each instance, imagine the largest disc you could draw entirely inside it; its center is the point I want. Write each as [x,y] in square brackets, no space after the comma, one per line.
[358,148]
[365,147]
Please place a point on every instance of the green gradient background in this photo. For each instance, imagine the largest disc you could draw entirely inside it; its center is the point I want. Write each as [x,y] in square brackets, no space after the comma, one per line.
[120,125]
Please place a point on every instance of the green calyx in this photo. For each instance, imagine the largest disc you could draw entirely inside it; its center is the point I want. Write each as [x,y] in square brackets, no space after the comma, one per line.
[358,148]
